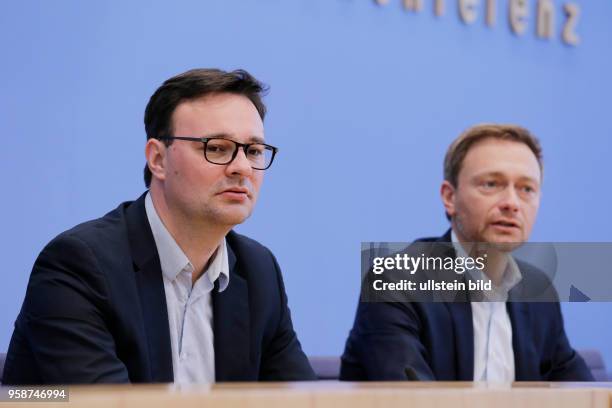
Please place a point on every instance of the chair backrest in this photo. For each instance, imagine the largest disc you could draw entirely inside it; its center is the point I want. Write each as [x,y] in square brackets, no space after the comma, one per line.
[325,367]
[2,358]
[595,362]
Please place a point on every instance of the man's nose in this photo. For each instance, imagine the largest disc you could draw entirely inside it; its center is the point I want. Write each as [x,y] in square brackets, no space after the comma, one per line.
[240,165]
[510,201]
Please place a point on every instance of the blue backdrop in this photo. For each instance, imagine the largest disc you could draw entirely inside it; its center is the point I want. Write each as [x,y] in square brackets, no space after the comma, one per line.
[364,101]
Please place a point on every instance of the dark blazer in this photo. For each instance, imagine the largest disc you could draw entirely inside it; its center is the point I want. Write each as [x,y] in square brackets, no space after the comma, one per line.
[95,311]
[435,341]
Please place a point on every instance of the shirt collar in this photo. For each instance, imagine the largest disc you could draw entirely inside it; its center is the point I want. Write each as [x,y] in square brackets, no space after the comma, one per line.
[512,275]
[172,258]
[219,267]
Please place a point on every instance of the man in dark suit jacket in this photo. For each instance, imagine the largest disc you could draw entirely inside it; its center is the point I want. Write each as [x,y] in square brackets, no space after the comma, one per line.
[491,195]
[102,304]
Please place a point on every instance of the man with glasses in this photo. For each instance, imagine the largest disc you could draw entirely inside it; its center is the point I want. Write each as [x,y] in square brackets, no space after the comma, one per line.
[161,289]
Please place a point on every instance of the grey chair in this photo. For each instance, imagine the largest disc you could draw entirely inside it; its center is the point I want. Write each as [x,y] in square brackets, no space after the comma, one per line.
[2,358]
[595,362]
[325,367]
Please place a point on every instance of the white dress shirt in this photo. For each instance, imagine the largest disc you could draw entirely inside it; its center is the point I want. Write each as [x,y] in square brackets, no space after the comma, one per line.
[493,351]
[189,306]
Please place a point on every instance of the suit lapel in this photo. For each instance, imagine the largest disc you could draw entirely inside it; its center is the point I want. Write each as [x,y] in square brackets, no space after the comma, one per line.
[232,327]
[525,358]
[151,289]
[461,313]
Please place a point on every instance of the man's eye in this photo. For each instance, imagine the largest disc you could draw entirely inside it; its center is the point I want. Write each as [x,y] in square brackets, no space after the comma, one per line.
[255,151]
[528,189]
[215,149]
[490,184]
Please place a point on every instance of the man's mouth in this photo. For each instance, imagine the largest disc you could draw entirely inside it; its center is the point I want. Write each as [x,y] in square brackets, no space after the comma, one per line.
[506,224]
[235,193]
[237,190]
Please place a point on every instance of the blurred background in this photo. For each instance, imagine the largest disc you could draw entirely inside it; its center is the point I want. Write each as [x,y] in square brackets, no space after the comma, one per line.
[364,100]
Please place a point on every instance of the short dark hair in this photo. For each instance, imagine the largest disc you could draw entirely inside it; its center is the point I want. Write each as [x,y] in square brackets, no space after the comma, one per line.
[193,84]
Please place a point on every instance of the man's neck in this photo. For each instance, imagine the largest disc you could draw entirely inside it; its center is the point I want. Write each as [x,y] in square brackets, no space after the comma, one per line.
[197,239]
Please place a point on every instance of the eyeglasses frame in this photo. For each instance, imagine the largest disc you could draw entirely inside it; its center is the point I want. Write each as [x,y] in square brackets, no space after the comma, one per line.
[238,145]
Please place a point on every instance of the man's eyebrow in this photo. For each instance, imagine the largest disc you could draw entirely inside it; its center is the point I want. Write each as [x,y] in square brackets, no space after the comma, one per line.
[256,139]
[488,174]
[498,174]
[529,179]
[218,136]
[252,139]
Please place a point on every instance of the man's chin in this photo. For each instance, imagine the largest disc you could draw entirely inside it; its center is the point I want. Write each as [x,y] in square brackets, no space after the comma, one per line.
[504,243]
[232,218]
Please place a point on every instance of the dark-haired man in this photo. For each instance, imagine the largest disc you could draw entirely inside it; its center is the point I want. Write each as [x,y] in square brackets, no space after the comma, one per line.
[491,194]
[161,289]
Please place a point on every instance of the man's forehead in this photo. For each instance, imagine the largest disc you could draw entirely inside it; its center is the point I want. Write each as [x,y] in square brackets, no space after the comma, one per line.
[501,158]
[221,114]
[216,101]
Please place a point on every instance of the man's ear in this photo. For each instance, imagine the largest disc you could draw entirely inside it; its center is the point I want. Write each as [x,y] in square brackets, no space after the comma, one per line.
[447,193]
[155,153]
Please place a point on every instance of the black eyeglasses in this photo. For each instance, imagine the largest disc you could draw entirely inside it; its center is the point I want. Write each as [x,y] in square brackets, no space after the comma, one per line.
[224,151]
